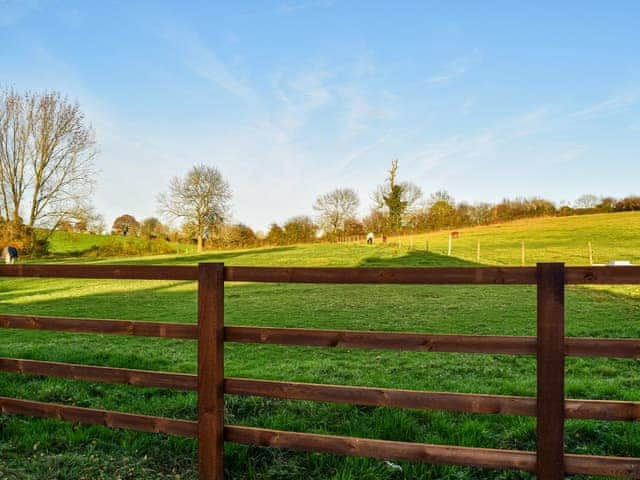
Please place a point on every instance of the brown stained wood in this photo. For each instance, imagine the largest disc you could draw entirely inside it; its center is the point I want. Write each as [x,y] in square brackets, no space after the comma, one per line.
[550,372]
[129,272]
[388,275]
[574,346]
[624,275]
[367,396]
[140,378]
[602,347]
[92,416]
[617,467]
[383,449]
[425,400]
[109,327]
[384,340]
[211,371]
[383,397]
[417,452]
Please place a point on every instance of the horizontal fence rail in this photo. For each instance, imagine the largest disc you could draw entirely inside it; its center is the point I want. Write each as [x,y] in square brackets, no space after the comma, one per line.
[550,407]
[493,344]
[604,275]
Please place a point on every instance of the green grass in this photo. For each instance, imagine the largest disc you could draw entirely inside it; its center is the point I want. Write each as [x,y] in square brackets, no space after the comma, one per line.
[72,244]
[565,239]
[48,449]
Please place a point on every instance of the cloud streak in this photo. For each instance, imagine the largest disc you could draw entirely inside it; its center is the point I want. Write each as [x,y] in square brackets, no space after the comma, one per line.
[455,69]
[204,63]
[608,106]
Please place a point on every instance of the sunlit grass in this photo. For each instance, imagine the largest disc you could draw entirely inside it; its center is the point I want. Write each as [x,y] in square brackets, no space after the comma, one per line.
[47,449]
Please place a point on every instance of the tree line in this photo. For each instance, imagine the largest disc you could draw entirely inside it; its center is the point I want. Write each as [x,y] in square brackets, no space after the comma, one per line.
[47,175]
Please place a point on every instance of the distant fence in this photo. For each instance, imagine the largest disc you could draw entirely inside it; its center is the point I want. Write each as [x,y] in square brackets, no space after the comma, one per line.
[550,345]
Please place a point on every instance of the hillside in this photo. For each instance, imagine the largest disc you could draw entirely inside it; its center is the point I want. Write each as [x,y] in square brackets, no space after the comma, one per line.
[558,239]
[84,244]
[53,449]
[612,235]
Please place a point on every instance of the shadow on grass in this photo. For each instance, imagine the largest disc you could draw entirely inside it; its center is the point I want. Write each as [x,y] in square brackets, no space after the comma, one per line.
[417,258]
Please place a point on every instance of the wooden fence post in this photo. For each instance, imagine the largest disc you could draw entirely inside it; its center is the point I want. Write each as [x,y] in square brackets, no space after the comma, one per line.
[550,372]
[210,371]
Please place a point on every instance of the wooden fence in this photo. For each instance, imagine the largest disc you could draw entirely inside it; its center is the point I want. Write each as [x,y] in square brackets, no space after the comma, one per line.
[550,345]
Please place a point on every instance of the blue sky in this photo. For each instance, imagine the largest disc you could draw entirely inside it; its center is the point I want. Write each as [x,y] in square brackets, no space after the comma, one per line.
[294,98]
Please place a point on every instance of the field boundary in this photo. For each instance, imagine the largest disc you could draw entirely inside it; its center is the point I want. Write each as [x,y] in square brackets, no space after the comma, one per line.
[548,462]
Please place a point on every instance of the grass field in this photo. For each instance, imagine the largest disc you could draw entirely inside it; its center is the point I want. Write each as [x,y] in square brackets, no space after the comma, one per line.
[72,244]
[47,449]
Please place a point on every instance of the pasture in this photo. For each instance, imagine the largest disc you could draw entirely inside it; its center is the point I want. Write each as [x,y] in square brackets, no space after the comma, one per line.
[33,448]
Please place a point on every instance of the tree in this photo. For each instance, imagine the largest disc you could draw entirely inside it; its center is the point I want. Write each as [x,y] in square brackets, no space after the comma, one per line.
[152,227]
[397,199]
[125,225]
[441,215]
[300,229]
[201,198]
[335,208]
[586,201]
[88,220]
[275,235]
[376,222]
[238,235]
[46,159]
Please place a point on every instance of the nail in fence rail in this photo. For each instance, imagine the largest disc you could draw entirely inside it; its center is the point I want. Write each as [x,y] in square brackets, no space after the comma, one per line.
[550,346]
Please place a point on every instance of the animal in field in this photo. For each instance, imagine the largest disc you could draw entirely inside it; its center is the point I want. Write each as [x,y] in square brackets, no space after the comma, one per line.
[370,238]
[10,255]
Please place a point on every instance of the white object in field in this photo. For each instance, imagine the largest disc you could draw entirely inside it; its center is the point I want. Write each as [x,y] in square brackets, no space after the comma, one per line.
[619,263]
[370,238]
[393,466]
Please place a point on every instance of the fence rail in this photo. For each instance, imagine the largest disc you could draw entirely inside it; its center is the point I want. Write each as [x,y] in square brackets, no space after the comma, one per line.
[550,346]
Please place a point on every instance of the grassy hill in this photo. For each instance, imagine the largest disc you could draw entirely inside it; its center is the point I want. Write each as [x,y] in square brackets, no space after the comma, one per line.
[47,449]
[72,244]
[562,239]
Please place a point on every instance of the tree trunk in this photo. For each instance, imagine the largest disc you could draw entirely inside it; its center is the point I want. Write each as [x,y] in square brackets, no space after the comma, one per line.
[199,243]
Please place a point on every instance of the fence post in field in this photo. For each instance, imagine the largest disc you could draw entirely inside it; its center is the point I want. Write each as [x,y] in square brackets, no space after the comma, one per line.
[522,254]
[210,371]
[449,248]
[478,252]
[590,254]
[550,371]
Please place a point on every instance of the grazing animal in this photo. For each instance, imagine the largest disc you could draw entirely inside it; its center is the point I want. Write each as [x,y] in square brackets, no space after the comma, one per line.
[370,238]
[10,255]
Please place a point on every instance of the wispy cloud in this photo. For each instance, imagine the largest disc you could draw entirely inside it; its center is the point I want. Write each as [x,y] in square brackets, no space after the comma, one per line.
[455,69]
[608,106]
[294,6]
[204,63]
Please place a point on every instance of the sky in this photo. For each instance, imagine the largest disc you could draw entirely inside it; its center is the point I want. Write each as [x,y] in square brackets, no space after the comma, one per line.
[293,98]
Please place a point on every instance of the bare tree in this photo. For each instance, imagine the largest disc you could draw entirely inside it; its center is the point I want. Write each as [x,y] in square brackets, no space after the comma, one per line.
[200,199]
[586,201]
[335,208]
[46,159]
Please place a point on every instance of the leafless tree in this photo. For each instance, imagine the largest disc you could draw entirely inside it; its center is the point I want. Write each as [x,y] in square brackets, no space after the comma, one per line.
[335,208]
[46,159]
[200,199]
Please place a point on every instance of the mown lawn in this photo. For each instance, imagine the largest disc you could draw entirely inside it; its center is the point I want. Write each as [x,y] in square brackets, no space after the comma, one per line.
[47,449]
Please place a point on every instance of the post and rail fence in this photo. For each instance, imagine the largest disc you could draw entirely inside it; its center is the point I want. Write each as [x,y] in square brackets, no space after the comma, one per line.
[548,462]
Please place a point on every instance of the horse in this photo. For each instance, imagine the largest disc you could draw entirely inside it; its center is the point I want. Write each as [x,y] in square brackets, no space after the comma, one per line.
[10,255]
